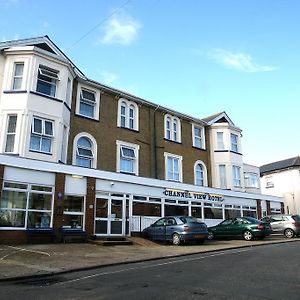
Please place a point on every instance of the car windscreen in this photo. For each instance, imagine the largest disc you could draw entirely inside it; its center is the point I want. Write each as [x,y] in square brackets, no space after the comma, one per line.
[296,218]
[252,220]
[190,220]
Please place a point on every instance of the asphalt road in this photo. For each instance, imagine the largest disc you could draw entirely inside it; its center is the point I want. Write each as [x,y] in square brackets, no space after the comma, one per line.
[264,272]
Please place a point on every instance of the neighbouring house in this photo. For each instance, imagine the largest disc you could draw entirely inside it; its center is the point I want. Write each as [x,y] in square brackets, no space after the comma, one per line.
[282,179]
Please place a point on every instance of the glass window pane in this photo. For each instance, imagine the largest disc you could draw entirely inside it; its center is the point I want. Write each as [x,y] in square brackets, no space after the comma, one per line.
[12,218]
[197,212]
[83,162]
[46,145]
[146,209]
[10,143]
[41,188]
[85,152]
[72,221]
[127,165]
[101,208]
[48,128]
[127,152]
[17,83]
[19,69]
[12,122]
[86,109]
[13,199]
[84,142]
[14,185]
[40,201]
[73,203]
[213,213]
[37,126]
[88,95]
[35,142]
[38,219]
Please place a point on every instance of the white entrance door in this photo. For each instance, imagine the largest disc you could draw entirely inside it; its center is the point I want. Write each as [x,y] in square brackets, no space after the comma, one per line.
[110,216]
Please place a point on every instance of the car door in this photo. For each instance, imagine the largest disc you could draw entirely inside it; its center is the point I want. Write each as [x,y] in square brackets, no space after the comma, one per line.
[223,228]
[160,229]
[276,224]
[236,227]
[170,228]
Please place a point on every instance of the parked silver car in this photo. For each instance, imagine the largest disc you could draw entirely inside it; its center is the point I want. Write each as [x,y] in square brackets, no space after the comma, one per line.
[289,225]
[177,229]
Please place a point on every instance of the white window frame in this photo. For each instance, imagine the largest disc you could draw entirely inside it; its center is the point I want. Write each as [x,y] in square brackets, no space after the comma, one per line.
[96,104]
[234,142]
[130,122]
[16,77]
[86,101]
[172,134]
[204,172]
[68,92]
[76,213]
[94,148]
[177,157]
[236,176]
[42,135]
[135,148]
[251,180]
[200,138]
[51,74]
[11,134]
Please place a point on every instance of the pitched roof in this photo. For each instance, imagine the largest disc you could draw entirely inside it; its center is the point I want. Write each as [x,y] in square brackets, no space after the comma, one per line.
[280,165]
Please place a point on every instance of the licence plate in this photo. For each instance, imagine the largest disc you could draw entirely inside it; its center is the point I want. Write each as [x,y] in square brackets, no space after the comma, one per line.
[198,236]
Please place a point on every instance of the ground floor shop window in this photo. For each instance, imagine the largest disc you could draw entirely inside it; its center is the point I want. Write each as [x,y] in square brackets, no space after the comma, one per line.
[213,211]
[174,210]
[249,211]
[197,210]
[232,211]
[146,209]
[26,206]
[73,212]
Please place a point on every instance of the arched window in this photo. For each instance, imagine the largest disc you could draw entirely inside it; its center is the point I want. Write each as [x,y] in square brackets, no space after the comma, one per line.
[200,174]
[123,114]
[85,151]
[172,128]
[128,114]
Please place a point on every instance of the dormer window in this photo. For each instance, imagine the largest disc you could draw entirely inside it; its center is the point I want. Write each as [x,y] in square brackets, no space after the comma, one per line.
[47,81]
[172,128]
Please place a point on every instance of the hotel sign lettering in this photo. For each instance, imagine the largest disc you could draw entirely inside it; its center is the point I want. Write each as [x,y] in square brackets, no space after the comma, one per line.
[193,195]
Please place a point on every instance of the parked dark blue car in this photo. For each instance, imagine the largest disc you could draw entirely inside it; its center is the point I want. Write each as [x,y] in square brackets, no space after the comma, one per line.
[177,229]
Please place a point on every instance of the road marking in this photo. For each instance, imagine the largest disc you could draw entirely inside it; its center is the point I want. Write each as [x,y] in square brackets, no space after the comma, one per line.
[33,251]
[154,265]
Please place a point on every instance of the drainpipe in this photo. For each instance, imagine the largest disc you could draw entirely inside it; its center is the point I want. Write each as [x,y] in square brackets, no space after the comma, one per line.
[155,143]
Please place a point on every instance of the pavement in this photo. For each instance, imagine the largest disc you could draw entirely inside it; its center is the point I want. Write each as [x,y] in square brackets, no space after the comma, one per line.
[34,260]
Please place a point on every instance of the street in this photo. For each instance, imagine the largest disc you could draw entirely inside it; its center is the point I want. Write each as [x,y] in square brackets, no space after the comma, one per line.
[263,272]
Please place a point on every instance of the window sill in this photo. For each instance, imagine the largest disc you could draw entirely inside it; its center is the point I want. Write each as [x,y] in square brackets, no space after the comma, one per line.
[167,140]
[203,149]
[46,96]
[15,92]
[40,152]
[127,128]
[86,117]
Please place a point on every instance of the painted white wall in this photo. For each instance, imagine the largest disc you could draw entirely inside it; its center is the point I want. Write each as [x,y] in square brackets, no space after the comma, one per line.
[286,185]
[27,105]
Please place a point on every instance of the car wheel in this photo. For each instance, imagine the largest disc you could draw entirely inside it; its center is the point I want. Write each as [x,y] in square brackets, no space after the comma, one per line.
[176,239]
[210,236]
[247,235]
[289,233]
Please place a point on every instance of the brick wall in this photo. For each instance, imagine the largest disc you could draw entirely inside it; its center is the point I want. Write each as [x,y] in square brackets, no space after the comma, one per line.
[90,206]
[258,205]
[58,200]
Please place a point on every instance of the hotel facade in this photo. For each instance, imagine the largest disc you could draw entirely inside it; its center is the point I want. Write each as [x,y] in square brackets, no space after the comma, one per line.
[80,156]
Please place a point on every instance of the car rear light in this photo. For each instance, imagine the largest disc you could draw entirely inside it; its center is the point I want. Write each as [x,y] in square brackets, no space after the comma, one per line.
[186,228]
[260,226]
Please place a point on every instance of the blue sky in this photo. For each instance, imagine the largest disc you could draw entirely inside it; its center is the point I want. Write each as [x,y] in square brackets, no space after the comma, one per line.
[197,57]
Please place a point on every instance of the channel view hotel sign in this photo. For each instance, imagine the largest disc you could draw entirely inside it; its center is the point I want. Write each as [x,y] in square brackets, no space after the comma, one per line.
[193,195]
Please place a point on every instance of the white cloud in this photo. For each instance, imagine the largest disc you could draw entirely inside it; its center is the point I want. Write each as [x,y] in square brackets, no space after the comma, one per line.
[120,29]
[238,61]
[108,77]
